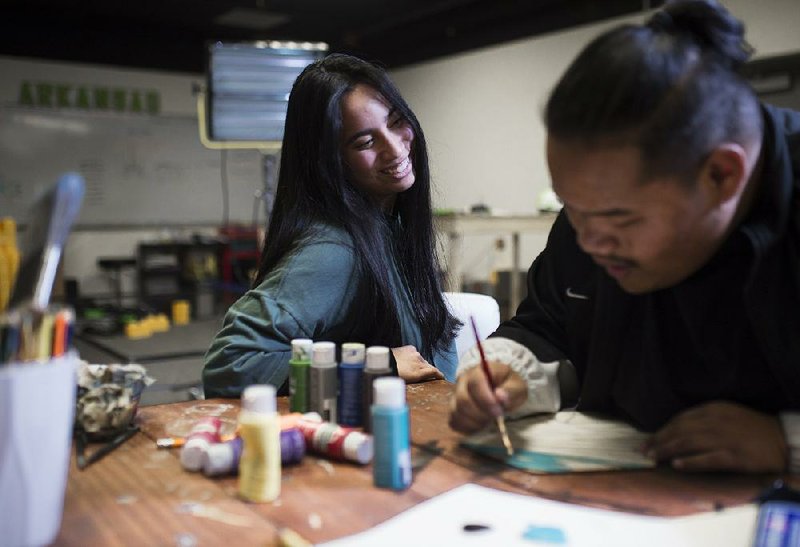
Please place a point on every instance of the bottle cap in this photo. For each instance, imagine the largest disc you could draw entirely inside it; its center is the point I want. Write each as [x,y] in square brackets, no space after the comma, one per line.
[323,353]
[301,349]
[312,417]
[377,358]
[192,454]
[353,353]
[358,447]
[259,398]
[390,392]
[220,458]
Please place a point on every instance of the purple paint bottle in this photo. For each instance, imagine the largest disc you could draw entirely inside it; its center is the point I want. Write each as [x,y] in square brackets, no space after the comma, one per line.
[223,458]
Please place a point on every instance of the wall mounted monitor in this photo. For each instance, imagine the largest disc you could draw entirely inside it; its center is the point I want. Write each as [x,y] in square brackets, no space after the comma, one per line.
[248,87]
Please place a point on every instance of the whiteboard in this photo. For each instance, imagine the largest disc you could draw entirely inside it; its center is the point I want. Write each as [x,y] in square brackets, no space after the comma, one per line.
[139,170]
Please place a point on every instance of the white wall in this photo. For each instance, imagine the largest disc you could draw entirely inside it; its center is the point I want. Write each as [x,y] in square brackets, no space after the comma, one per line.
[85,246]
[481,112]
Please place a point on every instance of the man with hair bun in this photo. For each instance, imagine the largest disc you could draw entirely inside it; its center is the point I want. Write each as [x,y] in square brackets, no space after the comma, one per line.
[669,290]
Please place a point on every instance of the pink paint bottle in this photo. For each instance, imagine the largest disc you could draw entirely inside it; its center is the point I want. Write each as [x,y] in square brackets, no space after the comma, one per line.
[204,433]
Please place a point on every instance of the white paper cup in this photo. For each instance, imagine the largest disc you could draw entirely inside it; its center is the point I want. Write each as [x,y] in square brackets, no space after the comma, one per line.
[37,406]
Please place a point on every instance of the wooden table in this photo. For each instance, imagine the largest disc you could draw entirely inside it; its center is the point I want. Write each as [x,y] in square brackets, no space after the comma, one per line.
[140,495]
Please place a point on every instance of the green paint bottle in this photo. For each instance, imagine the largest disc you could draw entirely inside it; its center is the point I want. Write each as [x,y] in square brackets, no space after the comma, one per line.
[299,366]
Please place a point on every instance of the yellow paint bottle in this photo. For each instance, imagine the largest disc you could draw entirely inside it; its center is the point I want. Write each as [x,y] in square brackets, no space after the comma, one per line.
[259,427]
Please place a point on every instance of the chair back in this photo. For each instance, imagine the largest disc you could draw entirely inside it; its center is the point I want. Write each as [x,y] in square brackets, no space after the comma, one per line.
[482,307]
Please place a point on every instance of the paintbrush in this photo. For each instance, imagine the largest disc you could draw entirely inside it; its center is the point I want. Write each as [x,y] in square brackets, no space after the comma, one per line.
[49,225]
[501,421]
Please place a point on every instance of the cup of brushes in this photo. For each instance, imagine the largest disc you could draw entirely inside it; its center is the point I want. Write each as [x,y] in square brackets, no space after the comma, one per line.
[37,376]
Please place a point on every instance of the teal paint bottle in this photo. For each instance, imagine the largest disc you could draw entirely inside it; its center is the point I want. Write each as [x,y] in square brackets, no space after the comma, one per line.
[391,464]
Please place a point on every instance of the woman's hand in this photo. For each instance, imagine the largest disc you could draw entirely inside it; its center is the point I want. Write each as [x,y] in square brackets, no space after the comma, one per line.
[412,367]
[473,405]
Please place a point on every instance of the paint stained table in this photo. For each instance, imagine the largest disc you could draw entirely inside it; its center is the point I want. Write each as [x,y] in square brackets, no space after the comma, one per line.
[140,495]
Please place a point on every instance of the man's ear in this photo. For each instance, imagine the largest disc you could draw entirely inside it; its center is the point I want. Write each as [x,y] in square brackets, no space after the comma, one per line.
[724,173]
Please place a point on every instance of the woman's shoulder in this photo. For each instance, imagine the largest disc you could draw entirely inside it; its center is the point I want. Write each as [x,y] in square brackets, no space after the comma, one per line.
[324,233]
[323,252]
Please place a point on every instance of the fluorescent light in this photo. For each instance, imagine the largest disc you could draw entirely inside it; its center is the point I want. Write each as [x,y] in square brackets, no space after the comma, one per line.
[256,19]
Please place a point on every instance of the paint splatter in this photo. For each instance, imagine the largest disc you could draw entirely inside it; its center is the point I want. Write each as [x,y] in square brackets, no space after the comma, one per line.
[126,499]
[209,409]
[476,527]
[327,466]
[545,534]
[314,521]
[185,539]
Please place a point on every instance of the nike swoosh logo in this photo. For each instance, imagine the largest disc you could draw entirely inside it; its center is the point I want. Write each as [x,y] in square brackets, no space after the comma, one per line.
[571,294]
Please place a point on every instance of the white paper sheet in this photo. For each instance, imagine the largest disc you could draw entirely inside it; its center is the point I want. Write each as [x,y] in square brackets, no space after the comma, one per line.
[517,520]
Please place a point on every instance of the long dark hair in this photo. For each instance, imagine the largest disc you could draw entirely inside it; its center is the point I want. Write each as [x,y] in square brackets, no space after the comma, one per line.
[670,87]
[313,186]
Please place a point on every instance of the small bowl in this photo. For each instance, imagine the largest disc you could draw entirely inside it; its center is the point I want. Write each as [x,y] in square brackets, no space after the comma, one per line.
[108,397]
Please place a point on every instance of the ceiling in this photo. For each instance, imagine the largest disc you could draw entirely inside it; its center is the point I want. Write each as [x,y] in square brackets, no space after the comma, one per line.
[171,34]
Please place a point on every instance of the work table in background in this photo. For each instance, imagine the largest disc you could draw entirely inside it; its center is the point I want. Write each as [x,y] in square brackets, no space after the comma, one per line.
[456,226]
[140,495]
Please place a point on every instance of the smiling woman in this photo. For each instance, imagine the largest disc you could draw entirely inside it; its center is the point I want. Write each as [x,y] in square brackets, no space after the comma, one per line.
[349,254]
[377,146]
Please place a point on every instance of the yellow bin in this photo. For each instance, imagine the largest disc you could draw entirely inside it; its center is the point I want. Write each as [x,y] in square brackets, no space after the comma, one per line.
[180,312]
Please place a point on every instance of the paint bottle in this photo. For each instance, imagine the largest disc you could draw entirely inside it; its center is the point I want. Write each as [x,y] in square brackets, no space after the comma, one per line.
[204,433]
[377,366]
[223,458]
[322,380]
[298,374]
[337,442]
[351,376]
[392,465]
[259,427]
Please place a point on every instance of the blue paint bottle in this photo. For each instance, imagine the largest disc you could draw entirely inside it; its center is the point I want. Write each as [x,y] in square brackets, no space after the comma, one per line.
[351,375]
[391,465]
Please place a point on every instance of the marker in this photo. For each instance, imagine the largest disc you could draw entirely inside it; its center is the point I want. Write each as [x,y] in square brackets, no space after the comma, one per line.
[10,338]
[27,339]
[44,337]
[60,327]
